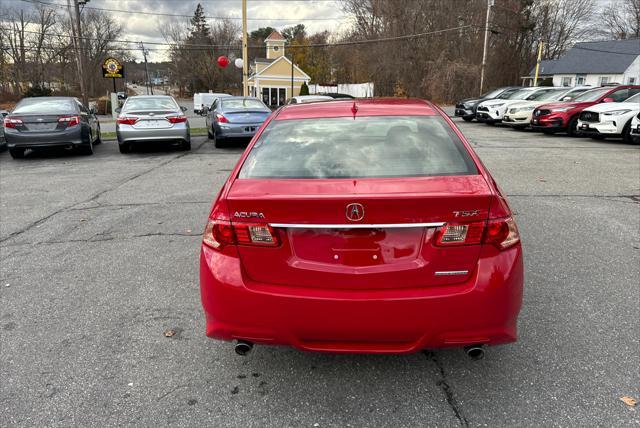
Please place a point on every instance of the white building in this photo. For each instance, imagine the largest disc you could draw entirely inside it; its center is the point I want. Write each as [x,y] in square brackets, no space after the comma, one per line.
[594,64]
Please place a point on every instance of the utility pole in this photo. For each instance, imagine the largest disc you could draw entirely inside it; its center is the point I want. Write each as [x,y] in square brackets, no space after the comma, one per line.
[486,42]
[76,32]
[146,69]
[540,44]
[245,54]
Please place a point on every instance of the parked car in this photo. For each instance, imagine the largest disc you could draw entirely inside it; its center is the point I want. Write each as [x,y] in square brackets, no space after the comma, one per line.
[492,111]
[338,96]
[635,129]
[563,116]
[235,118]
[3,143]
[466,108]
[39,122]
[303,99]
[375,229]
[202,101]
[519,114]
[152,118]
[609,119]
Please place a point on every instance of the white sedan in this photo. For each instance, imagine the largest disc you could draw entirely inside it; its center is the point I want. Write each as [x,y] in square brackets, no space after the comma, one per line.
[492,111]
[609,119]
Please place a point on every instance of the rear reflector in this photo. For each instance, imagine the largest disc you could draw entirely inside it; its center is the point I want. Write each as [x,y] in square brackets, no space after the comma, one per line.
[12,123]
[219,233]
[124,120]
[70,120]
[502,233]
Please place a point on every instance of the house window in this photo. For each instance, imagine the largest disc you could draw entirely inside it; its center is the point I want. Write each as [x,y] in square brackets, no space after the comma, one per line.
[566,81]
[632,80]
[580,79]
[274,97]
[604,80]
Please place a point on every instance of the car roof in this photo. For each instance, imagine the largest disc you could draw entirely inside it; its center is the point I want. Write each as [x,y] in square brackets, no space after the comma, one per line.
[366,107]
[151,96]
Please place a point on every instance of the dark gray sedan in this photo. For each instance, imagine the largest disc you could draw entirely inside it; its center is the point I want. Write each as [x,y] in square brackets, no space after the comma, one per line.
[51,121]
[235,118]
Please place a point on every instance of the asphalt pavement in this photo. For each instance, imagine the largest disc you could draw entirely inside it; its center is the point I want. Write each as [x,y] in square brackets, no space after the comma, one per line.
[99,257]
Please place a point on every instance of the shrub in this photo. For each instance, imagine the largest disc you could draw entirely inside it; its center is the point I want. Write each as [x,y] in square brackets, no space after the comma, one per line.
[304,89]
[37,91]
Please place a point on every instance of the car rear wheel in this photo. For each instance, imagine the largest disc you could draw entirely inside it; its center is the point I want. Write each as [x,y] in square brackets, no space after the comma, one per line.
[124,147]
[218,142]
[185,145]
[87,148]
[99,137]
[16,153]
[209,134]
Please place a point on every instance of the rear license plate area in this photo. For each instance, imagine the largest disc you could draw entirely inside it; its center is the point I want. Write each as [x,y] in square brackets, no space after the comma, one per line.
[250,129]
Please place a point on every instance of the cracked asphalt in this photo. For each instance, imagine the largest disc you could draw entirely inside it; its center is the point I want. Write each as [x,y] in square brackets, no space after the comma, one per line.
[99,256]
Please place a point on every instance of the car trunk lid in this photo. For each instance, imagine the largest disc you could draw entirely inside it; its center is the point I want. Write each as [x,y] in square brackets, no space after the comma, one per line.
[391,246]
[246,116]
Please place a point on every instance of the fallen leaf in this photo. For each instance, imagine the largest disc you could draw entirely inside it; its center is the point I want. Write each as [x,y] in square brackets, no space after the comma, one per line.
[169,333]
[629,401]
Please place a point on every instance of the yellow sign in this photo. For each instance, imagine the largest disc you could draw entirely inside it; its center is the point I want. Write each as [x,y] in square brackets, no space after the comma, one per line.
[112,68]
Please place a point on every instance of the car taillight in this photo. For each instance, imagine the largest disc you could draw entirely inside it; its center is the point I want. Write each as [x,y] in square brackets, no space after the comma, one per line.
[502,233]
[70,120]
[177,119]
[124,120]
[219,233]
[11,123]
[221,118]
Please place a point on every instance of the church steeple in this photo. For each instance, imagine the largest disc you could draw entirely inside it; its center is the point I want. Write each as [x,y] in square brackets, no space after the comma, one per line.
[275,45]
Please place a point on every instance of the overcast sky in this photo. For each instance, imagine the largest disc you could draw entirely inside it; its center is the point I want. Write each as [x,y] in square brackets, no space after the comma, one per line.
[316,15]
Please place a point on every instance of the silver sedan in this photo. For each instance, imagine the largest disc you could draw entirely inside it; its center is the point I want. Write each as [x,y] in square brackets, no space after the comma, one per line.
[152,118]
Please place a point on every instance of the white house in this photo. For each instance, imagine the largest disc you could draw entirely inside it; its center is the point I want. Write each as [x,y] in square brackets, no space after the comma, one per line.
[594,64]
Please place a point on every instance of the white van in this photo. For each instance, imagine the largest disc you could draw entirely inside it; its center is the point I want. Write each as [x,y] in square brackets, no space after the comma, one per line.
[205,99]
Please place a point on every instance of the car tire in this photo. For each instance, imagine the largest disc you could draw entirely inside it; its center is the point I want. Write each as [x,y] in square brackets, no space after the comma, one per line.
[87,148]
[572,127]
[467,118]
[218,142]
[17,153]
[99,137]
[209,134]
[490,122]
[626,134]
[124,148]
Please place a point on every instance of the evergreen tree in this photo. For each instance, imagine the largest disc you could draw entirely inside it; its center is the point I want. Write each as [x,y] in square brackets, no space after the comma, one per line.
[199,27]
[304,89]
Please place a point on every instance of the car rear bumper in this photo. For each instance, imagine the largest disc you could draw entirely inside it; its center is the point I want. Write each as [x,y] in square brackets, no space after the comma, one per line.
[483,310]
[241,130]
[127,133]
[17,139]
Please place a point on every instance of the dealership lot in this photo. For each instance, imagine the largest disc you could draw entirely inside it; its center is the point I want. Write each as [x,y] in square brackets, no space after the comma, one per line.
[99,257]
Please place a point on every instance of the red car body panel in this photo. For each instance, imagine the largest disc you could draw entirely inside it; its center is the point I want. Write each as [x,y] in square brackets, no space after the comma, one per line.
[369,289]
[559,121]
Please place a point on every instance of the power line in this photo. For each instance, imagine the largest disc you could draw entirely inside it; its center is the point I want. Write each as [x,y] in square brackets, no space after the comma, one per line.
[59,5]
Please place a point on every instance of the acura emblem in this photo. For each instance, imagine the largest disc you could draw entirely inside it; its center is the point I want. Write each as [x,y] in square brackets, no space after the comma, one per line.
[355,212]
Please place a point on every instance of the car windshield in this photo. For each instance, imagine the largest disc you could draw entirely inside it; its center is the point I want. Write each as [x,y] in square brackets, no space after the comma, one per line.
[243,103]
[571,94]
[633,99]
[493,94]
[521,94]
[507,94]
[552,95]
[159,103]
[45,106]
[538,95]
[370,146]
[592,95]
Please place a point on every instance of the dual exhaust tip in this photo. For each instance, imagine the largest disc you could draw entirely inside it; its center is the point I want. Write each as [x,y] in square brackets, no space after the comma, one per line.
[475,352]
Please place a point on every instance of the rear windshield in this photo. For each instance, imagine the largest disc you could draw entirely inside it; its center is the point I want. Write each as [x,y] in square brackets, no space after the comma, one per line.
[239,104]
[133,104]
[344,147]
[45,106]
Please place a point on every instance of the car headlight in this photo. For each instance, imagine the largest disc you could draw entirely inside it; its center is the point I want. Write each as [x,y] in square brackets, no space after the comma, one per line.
[615,112]
[495,105]
[560,109]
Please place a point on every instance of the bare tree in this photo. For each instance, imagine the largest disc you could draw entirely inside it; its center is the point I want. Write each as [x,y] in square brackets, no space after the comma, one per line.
[620,20]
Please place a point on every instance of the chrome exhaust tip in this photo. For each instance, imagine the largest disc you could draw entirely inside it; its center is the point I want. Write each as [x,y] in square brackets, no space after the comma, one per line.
[243,347]
[475,352]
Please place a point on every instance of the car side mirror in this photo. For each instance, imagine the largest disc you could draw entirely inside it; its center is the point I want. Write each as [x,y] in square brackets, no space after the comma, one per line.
[183,108]
[608,100]
[118,110]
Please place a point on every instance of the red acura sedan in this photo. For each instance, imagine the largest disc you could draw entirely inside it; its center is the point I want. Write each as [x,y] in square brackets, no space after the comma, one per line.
[364,227]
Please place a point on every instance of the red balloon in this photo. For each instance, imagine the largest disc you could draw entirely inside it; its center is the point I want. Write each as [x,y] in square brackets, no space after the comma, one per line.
[223,61]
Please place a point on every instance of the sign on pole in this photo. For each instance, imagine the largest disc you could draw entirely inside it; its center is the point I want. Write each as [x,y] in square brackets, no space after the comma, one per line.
[111,68]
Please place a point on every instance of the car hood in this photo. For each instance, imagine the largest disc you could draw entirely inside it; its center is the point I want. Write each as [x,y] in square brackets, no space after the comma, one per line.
[520,104]
[551,106]
[502,103]
[605,107]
